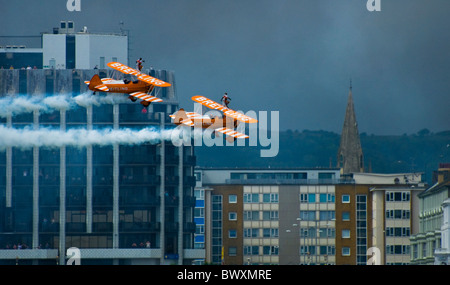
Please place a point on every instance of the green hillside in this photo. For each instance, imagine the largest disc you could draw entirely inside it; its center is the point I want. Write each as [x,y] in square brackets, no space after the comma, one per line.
[420,152]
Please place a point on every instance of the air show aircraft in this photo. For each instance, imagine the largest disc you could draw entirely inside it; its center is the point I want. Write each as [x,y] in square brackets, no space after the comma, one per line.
[139,89]
[225,125]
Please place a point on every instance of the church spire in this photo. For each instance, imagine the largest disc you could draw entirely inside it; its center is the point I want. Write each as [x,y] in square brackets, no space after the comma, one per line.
[350,155]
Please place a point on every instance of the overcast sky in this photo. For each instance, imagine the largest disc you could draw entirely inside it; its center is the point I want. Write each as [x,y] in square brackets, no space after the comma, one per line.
[291,56]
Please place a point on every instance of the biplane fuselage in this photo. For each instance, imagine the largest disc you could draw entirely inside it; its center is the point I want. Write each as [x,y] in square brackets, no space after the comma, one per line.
[138,89]
[213,123]
[226,125]
[119,86]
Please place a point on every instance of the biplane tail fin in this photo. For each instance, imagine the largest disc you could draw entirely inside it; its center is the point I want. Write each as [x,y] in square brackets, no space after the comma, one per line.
[97,83]
[180,116]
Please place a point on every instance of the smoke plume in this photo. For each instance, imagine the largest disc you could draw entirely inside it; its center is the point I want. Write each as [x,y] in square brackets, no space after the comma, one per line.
[20,104]
[54,138]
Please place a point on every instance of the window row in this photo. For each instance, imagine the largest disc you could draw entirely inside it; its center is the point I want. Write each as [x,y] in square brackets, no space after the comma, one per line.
[313,198]
[398,196]
[255,250]
[398,232]
[256,216]
[398,214]
[323,215]
[254,233]
[322,250]
[255,198]
[397,249]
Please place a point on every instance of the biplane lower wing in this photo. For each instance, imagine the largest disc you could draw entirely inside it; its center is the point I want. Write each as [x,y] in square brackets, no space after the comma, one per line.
[146,97]
[226,111]
[232,133]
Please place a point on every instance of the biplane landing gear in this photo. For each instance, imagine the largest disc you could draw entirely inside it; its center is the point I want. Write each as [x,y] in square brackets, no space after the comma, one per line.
[145,104]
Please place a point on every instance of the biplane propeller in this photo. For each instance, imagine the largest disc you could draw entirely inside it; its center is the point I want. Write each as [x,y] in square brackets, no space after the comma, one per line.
[226,125]
[139,89]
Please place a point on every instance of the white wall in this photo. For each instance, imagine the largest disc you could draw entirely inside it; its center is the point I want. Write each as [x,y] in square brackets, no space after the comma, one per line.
[90,48]
[54,47]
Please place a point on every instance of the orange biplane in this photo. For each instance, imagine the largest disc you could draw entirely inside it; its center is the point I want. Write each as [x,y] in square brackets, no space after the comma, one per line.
[139,89]
[225,125]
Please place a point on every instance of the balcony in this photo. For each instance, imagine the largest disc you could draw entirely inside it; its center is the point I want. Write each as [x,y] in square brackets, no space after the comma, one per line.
[189,181]
[190,160]
[189,227]
[172,180]
[75,227]
[189,201]
[139,201]
[91,253]
[139,227]
[102,227]
[29,254]
[171,201]
[172,159]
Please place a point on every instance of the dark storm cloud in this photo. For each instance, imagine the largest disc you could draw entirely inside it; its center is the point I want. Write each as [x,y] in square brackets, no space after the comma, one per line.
[293,56]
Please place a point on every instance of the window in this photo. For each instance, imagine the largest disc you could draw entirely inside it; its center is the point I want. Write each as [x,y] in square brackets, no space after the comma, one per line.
[270,198]
[328,250]
[251,215]
[251,233]
[397,249]
[270,215]
[346,216]
[232,251]
[311,198]
[345,233]
[398,196]
[345,198]
[251,250]
[327,232]
[270,250]
[232,233]
[251,198]
[232,198]
[232,216]
[268,232]
[326,198]
[327,215]
[345,251]
[303,198]
[307,250]
[308,215]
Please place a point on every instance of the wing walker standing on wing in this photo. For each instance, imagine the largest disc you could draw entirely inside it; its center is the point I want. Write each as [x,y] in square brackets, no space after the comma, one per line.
[139,89]
[225,125]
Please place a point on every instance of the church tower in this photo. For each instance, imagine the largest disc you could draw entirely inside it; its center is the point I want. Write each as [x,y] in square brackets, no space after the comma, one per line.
[350,155]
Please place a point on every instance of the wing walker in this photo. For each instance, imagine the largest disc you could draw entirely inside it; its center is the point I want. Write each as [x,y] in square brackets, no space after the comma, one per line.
[226,125]
[139,89]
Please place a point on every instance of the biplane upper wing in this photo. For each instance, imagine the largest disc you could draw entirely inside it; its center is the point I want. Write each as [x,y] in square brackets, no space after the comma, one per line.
[146,97]
[141,76]
[226,111]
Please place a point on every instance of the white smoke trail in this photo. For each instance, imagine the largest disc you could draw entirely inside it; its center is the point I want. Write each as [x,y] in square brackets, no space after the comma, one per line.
[53,138]
[16,105]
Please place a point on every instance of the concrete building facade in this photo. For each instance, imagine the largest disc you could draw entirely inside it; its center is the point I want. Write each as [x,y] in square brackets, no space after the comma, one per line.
[427,241]
[257,217]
